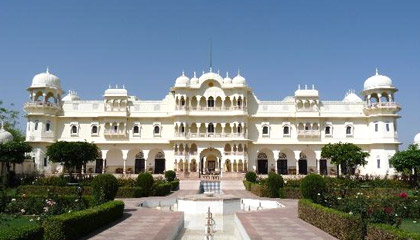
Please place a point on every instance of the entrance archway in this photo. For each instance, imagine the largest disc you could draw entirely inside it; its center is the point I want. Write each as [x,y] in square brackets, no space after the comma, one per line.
[262,166]
[159,163]
[210,161]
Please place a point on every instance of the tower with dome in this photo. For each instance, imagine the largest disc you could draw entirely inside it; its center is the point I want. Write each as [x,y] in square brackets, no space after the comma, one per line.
[211,123]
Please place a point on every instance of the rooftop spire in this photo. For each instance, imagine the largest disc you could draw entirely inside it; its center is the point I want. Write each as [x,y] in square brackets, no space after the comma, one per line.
[211,54]
[48,70]
[195,74]
[227,74]
[376,71]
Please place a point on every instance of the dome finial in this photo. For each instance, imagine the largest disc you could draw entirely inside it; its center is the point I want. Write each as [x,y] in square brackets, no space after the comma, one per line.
[48,70]
[227,74]
[377,72]
[183,72]
[239,72]
[195,74]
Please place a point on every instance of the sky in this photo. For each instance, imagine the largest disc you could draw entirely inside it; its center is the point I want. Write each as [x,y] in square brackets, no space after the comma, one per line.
[145,45]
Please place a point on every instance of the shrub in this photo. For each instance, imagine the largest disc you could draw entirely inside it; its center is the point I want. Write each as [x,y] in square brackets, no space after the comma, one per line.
[174,185]
[51,181]
[170,175]
[44,190]
[274,183]
[129,192]
[312,186]
[259,190]
[281,193]
[126,182]
[387,232]
[74,225]
[145,182]
[20,229]
[105,187]
[340,225]
[162,189]
[247,185]
[251,177]
[292,193]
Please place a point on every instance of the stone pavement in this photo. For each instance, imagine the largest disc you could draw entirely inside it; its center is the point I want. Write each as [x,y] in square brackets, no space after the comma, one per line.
[145,224]
[280,224]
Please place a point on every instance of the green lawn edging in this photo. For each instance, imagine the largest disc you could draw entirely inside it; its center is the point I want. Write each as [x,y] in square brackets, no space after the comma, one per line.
[29,231]
[341,225]
[69,226]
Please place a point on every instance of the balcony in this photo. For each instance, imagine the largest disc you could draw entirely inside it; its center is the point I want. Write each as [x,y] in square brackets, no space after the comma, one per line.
[115,134]
[211,135]
[40,107]
[211,109]
[383,105]
[309,133]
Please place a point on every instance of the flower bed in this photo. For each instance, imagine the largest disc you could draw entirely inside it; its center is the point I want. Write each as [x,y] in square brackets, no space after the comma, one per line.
[387,232]
[342,225]
[74,225]
[19,228]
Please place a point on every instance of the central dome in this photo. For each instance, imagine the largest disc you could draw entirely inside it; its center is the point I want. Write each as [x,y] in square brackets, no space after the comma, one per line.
[377,80]
[182,80]
[46,79]
[239,79]
[352,97]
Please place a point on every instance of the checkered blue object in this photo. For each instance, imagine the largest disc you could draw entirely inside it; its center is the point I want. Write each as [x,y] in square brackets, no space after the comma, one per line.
[210,186]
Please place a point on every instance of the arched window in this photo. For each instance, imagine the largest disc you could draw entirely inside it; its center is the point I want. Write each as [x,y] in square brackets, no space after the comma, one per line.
[265,131]
[115,129]
[95,129]
[211,128]
[156,130]
[136,129]
[302,156]
[349,130]
[182,101]
[328,130]
[73,129]
[239,128]
[36,125]
[210,102]
[282,156]
[182,128]
[47,126]
[286,130]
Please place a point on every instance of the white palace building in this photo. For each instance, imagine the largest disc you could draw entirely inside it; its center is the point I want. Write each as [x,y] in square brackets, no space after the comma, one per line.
[214,124]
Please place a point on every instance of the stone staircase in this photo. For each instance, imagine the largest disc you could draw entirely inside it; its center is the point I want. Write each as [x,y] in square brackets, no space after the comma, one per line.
[232,185]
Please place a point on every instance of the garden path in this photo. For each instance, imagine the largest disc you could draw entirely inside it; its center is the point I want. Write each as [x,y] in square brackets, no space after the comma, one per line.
[274,224]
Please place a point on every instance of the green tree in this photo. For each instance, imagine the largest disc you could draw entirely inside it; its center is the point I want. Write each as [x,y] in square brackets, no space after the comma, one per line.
[73,155]
[407,161]
[9,117]
[344,154]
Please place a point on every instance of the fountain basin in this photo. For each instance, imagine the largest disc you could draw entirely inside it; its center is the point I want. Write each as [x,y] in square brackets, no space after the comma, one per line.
[220,204]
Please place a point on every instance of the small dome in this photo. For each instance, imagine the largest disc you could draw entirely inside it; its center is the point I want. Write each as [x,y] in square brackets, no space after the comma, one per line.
[377,80]
[194,80]
[289,99]
[5,136]
[182,80]
[227,79]
[46,79]
[211,75]
[71,96]
[352,97]
[239,79]
[417,139]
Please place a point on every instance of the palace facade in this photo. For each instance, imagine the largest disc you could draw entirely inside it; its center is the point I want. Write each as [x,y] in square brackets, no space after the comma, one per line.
[214,124]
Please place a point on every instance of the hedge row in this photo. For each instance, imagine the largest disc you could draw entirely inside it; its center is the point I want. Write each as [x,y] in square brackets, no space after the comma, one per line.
[74,225]
[30,231]
[261,191]
[123,192]
[387,232]
[340,225]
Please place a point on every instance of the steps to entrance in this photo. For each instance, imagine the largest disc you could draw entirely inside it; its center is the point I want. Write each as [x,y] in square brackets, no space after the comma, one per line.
[189,185]
[232,185]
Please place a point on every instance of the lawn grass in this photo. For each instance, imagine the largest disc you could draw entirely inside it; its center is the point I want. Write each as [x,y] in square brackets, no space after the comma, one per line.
[409,225]
[7,221]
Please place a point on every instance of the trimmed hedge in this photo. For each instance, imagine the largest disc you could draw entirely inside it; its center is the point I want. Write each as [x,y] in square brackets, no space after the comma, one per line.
[260,190]
[69,226]
[129,192]
[145,182]
[386,232]
[30,231]
[251,177]
[162,189]
[247,185]
[339,224]
[105,187]
[313,185]
[292,193]
[174,185]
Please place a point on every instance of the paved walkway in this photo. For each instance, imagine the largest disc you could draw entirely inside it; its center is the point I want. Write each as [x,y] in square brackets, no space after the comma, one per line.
[145,224]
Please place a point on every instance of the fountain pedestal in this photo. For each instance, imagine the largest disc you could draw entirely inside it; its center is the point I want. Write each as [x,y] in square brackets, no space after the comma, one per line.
[220,204]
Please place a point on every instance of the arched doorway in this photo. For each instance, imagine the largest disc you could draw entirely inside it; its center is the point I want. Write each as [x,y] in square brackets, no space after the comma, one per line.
[262,167]
[282,164]
[159,163]
[303,164]
[323,166]
[99,163]
[139,163]
[210,161]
